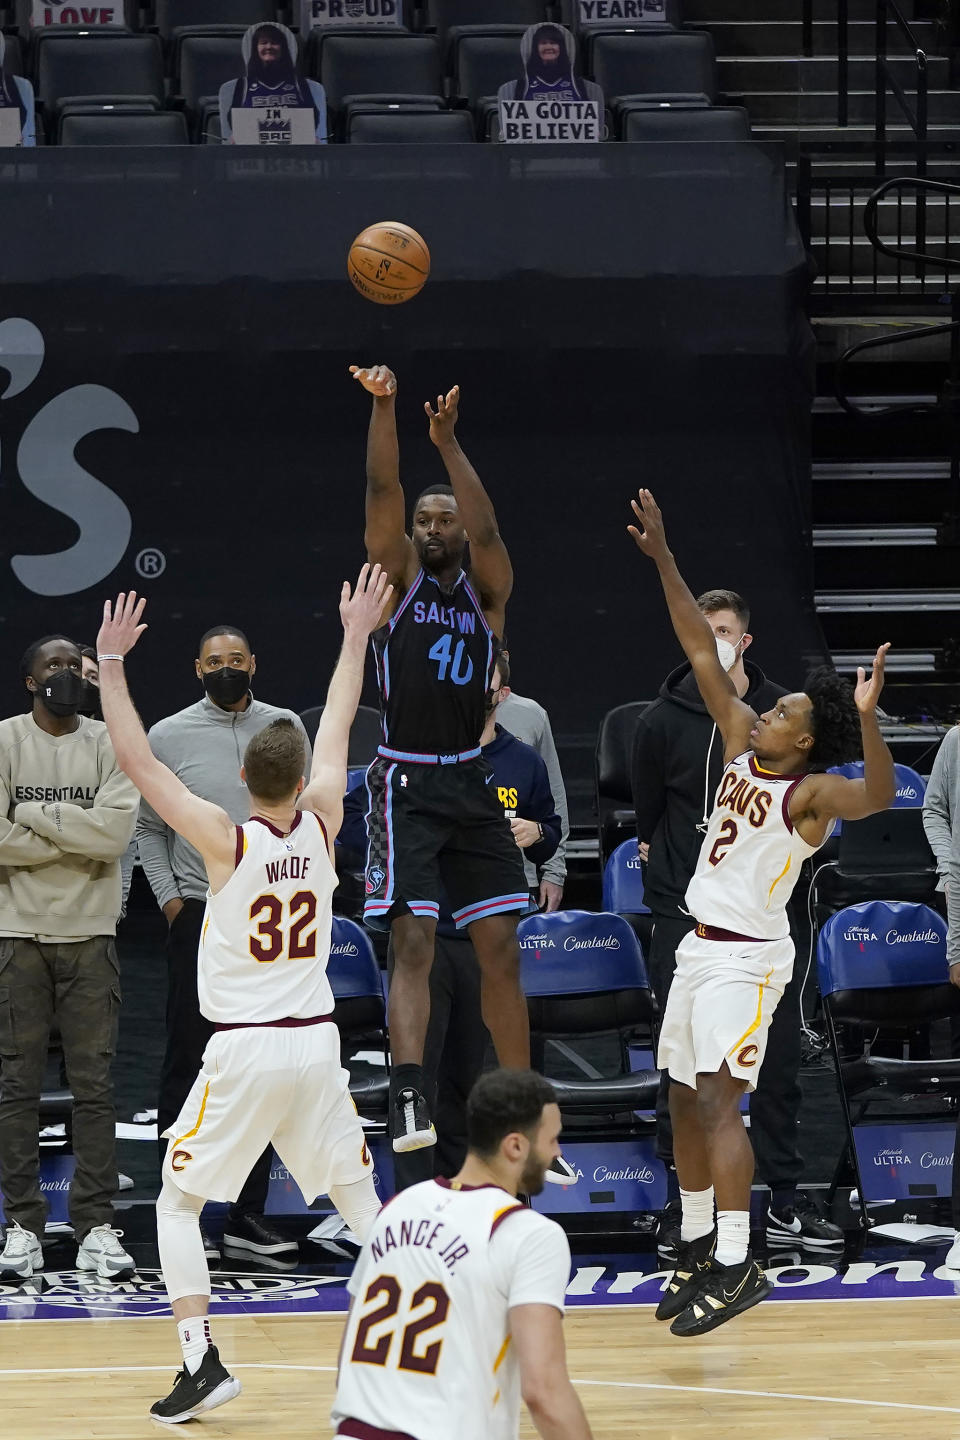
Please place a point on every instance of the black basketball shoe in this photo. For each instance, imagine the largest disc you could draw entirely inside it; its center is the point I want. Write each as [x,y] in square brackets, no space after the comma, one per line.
[668,1230]
[210,1386]
[412,1126]
[803,1226]
[693,1266]
[727,1290]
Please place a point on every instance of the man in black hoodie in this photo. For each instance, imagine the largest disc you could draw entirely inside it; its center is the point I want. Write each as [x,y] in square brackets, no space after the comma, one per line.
[677,763]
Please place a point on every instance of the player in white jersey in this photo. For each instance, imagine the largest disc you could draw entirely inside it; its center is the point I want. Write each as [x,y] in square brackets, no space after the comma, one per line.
[773,808]
[271,1071]
[458,1294]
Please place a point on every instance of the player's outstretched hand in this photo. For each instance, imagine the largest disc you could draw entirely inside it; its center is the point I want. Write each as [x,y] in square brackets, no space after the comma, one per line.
[867,692]
[121,628]
[376,379]
[444,418]
[361,611]
[649,536]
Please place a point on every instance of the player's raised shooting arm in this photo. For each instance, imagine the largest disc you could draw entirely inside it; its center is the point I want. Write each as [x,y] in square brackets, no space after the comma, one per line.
[489,562]
[206,827]
[360,614]
[734,719]
[385,536]
[554,1405]
[834,797]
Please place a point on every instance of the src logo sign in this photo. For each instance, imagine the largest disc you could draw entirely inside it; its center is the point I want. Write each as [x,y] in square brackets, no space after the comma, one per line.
[47,466]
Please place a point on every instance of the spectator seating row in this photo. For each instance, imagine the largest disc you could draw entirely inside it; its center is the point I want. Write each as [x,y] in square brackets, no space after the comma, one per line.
[658,83]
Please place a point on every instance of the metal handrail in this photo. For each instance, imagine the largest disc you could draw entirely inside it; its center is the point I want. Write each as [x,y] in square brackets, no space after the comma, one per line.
[916,119]
[917,257]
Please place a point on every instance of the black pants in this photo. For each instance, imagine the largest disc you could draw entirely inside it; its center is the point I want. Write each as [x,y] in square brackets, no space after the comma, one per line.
[775,1104]
[187,1035]
[453,1057]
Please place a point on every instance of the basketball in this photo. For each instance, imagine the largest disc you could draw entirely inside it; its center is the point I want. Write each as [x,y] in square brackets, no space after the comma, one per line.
[389,263]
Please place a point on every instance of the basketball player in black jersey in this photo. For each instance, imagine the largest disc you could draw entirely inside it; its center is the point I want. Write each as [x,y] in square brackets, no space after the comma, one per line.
[432,818]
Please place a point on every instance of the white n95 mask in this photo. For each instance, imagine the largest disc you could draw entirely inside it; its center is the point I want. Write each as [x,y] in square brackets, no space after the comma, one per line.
[727,653]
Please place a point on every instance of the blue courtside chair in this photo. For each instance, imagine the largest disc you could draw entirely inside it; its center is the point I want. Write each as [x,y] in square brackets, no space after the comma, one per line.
[883,965]
[623,890]
[359,1008]
[584,974]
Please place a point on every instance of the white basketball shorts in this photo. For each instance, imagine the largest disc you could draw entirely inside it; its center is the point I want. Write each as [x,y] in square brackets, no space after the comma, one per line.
[720,1006]
[268,1085]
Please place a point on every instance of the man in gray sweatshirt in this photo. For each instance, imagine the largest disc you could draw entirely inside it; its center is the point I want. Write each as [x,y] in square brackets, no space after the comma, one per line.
[66,816]
[203,746]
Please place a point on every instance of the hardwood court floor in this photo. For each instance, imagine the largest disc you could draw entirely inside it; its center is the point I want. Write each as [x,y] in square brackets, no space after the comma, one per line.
[836,1370]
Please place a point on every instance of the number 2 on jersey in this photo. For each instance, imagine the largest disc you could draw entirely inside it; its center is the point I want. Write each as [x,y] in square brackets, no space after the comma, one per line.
[725,838]
[270,942]
[441,653]
[423,1360]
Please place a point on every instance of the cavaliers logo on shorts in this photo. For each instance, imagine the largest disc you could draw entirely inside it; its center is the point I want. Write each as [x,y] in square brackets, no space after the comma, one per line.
[179,1158]
[747,1055]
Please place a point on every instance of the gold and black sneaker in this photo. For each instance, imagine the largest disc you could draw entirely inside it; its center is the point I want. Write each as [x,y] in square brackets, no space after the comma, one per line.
[693,1264]
[727,1290]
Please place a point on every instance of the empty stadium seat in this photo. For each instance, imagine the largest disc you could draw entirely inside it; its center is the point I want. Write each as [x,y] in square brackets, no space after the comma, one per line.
[173,16]
[442,15]
[118,126]
[623,890]
[372,64]
[646,122]
[883,965]
[584,974]
[205,63]
[408,125]
[481,62]
[105,63]
[12,55]
[884,856]
[616,819]
[359,1007]
[629,65]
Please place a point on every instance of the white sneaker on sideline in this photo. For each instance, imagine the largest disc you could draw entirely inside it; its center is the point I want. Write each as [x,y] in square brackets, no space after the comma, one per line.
[952,1261]
[22,1253]
[101,1251]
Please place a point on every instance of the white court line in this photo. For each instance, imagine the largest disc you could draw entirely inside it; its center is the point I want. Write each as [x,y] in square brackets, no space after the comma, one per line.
[608,1384]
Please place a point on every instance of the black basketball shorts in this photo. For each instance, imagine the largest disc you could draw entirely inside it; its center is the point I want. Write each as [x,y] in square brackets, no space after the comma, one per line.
[439,827]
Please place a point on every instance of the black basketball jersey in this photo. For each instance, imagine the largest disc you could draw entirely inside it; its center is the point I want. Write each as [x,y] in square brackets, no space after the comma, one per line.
[435,661]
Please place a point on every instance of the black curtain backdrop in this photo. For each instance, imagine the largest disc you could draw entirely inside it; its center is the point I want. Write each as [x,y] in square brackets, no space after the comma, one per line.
[625,316]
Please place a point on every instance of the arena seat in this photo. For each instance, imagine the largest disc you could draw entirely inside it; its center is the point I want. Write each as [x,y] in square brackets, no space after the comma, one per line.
[408,125]
[483,60]
[13,55]
[883,964]
[104,64]
[584,974]
[623,890]
[204,63]
[375,63]
[628,66]
[366,733]
[359,1009]
[445,15]
[613,767]
[879,857]
[121,125]
[175,17]
[645,122]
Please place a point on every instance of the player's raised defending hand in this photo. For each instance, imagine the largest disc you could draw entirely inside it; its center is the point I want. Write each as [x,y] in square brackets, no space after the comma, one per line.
[379,380]
[121,627]
[361,610]
[867,692]
[443,420]
[650,536]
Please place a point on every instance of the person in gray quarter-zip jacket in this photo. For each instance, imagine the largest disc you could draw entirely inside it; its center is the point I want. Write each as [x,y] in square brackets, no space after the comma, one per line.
[203,745]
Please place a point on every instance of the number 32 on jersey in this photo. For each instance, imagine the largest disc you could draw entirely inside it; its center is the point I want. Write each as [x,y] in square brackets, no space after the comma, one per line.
[292,935]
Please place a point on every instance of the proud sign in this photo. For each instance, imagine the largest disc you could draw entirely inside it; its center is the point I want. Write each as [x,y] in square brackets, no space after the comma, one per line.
[546,122]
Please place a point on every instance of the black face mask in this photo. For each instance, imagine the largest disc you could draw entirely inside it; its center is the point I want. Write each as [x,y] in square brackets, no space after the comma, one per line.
[89,700]
[227,685]
[62,693]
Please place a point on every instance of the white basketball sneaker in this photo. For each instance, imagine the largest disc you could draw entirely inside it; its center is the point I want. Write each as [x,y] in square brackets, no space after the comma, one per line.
[22,1253]
[101,1251]
[952,1261]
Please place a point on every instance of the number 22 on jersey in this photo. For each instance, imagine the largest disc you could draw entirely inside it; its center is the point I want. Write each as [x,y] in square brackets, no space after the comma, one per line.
[371,1348]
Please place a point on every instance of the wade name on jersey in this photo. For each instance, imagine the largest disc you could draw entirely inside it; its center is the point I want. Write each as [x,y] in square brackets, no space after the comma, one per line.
[291,867]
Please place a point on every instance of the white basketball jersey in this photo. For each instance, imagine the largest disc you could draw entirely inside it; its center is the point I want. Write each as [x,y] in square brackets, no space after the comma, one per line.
[266,934]
[427,1349]
[751,855]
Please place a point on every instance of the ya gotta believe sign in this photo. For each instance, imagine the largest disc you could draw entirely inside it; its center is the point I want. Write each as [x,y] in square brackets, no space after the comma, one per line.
[544,121]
